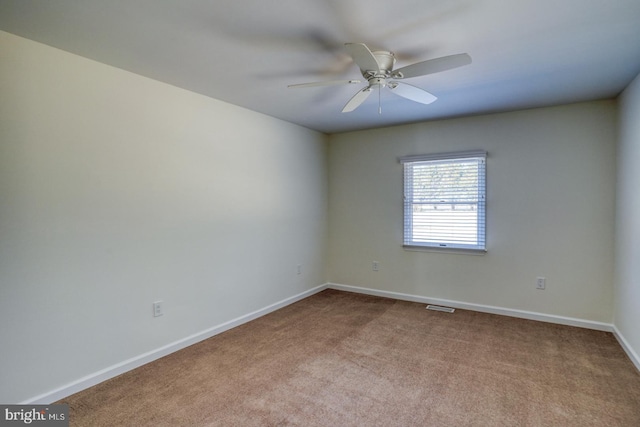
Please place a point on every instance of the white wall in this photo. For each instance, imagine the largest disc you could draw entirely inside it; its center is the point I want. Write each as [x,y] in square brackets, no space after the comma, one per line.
[116,191]
[627,277]
[550,211]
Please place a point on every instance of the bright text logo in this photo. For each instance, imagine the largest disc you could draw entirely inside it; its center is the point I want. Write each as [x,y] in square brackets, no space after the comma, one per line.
[36,415]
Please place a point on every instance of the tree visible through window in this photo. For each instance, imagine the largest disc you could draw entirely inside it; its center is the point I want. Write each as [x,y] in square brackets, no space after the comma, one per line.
[444,200]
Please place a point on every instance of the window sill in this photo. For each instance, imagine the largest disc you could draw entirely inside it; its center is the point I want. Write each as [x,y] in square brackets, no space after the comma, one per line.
[460,251]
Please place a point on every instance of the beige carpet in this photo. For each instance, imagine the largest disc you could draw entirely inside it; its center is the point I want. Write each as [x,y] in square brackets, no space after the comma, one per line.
[343,359]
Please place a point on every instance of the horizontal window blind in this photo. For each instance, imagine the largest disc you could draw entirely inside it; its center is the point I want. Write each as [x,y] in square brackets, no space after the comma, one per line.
[444,200]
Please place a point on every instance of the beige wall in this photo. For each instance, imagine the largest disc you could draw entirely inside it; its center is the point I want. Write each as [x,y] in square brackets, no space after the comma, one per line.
[116,191]
[627,301]
[550,211]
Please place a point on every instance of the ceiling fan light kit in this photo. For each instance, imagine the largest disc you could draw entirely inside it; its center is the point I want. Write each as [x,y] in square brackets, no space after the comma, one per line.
[377,68]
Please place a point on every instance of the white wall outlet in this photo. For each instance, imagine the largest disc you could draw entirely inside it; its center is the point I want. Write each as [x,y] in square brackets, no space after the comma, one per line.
[299,269]
[157,309]
[375,266]
[541,283]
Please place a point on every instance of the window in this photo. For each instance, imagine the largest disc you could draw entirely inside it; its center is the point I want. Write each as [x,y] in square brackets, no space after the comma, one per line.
[444,200]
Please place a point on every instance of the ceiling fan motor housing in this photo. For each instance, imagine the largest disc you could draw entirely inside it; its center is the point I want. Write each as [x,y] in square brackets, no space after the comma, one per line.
[386,61]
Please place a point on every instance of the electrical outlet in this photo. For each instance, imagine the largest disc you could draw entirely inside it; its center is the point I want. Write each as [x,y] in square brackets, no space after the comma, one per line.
[541,283]
[375,266]
[157,309]
[299,269]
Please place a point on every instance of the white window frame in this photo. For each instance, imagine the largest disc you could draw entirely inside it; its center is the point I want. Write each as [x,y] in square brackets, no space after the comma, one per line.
[410,241]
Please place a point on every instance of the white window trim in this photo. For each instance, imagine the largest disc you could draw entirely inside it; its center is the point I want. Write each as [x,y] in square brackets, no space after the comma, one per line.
[459,249]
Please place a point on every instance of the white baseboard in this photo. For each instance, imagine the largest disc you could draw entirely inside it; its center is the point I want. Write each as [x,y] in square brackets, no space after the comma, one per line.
[570,321]
[137,361]
[627,347]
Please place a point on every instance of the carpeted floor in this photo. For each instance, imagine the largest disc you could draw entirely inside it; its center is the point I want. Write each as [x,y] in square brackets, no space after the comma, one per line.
[343,359]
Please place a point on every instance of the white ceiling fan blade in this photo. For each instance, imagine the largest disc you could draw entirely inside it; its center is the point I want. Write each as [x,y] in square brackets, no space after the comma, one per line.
[432,66]
[363,56]
[412,92]
[327,83]
[357,99]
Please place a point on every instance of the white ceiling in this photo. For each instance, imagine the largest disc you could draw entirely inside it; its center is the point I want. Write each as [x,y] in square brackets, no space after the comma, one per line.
[526,53]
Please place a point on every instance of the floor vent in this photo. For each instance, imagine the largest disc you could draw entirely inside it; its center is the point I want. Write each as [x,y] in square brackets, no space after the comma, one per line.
[439,308]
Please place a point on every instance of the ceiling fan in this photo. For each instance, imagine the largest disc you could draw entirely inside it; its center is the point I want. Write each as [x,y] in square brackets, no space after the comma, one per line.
[377,68]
